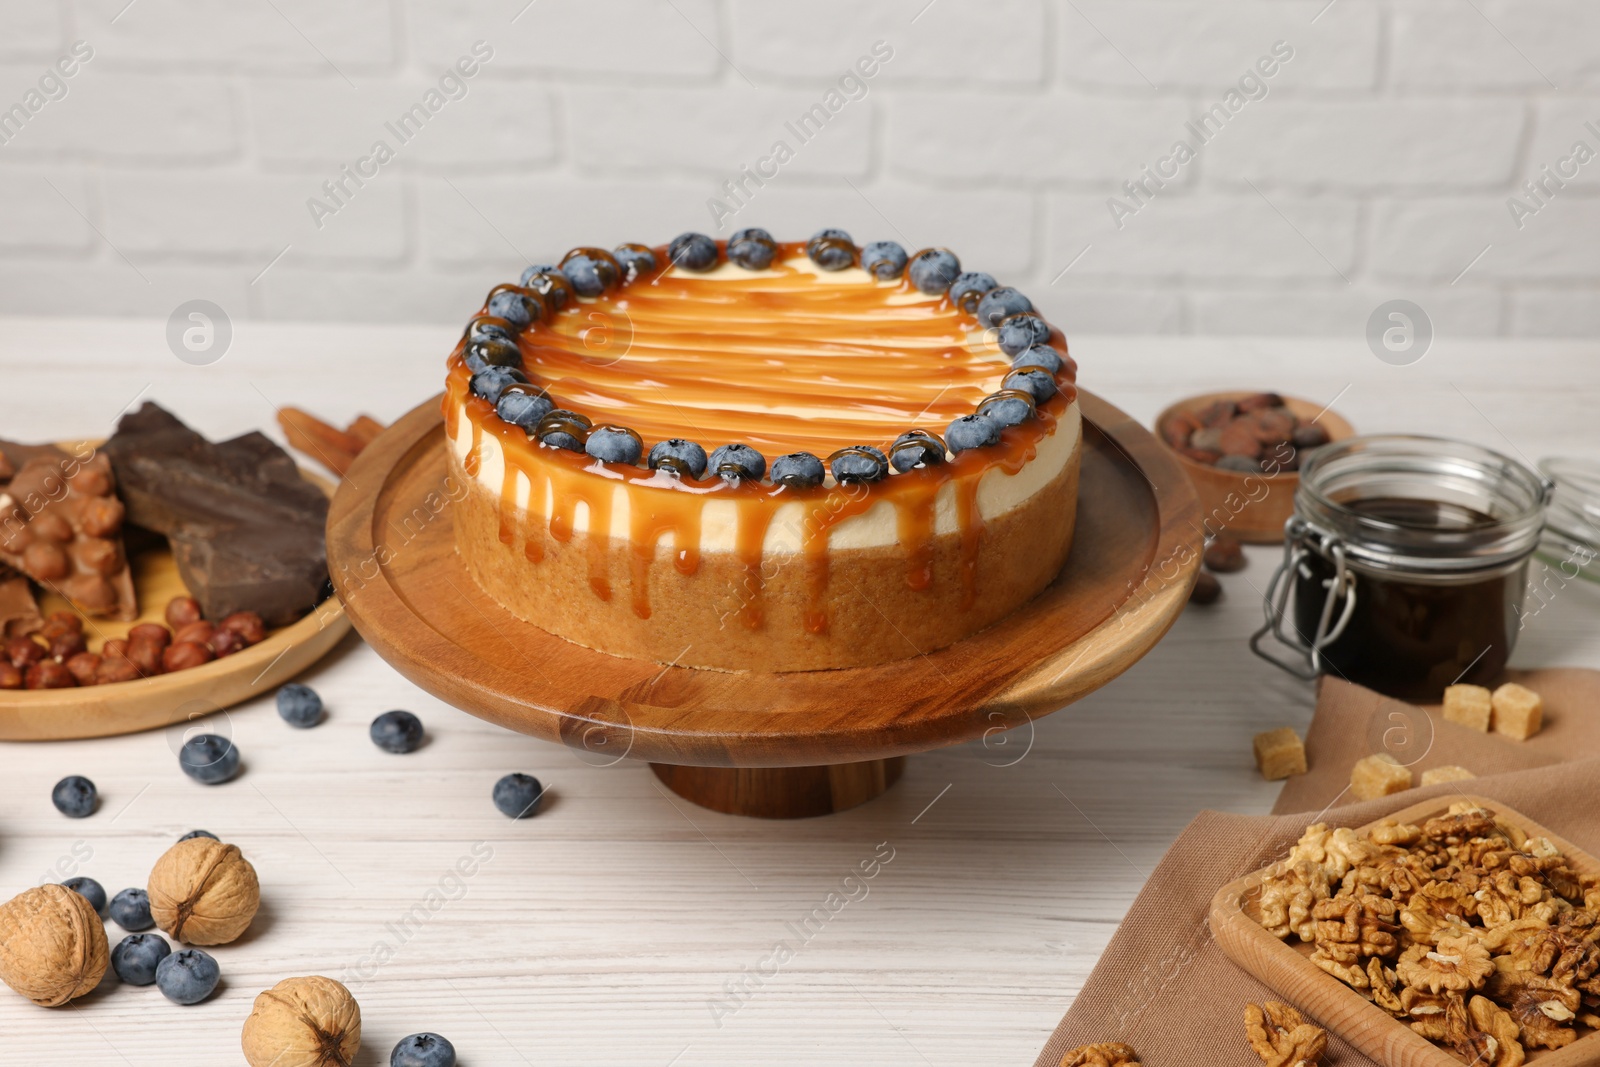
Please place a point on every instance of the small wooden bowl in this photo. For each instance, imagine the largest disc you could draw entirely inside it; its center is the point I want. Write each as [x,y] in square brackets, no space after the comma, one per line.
[1250,507]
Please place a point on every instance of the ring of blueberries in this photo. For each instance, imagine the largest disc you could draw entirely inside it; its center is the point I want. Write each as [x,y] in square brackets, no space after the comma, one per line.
[491,353]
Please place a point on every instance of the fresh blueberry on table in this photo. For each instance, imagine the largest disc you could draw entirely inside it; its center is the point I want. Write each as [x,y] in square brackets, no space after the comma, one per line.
[798,470]
[187,976]
[130,909]
[634,260]
[515,308]
[397,731]
[737,462]
[89,890]
[586,275]
[209,758]
[884,260]
[75,796]
[968,289]
[523,409]
[971,431]
[1019,333]
[831,249]
[1000,304]
[679,456]
[561,428]
[614,444]
[1035,381]
[859,465]
[1012,410]
[423,1050]
[490,382]
[693,251]
[137,957]
[752,249]
[1039,356]
[299,705]
[199,833]
[933,269]
[518,795]
[915,448]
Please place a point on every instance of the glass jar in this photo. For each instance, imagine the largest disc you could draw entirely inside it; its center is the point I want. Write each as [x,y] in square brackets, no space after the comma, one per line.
[1571,541]
[1405,564]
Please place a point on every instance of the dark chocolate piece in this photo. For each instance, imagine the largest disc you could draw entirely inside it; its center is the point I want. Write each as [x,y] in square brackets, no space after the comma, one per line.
[245,528]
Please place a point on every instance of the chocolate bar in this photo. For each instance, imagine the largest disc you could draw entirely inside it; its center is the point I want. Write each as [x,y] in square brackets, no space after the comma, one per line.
[245,528]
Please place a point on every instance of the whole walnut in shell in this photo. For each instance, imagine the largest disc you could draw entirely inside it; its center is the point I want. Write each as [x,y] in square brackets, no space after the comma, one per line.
[52,945]
[303,1022]
[204,892]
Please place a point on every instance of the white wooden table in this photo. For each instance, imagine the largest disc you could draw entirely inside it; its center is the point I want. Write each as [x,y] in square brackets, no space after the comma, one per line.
[611,929]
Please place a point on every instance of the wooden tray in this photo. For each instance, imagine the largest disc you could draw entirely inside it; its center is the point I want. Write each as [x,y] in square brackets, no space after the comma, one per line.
[1286,969]
[127,707]
[395,567]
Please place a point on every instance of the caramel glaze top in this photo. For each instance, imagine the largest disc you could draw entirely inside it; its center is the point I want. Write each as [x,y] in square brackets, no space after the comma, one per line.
[783,360]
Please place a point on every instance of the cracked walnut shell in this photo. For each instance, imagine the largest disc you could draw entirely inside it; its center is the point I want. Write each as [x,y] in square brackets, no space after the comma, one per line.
[1101,1054]
[204,892]
[303,1022]
[52,945]
[1281,1036]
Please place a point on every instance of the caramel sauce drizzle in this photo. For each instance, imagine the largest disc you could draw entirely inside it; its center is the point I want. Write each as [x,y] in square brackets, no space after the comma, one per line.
[784,360]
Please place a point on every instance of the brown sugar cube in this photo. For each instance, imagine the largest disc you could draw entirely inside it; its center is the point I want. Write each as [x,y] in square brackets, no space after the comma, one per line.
[1468,705]
[1451,773]
[1280,754]
[1518,711]
[1379,776]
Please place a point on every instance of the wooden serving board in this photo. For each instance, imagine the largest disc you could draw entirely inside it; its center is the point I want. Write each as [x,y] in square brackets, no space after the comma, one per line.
[1285,966]
[392,555]
[127,707]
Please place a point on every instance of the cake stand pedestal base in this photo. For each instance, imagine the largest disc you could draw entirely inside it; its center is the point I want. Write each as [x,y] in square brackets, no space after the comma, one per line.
[782,792]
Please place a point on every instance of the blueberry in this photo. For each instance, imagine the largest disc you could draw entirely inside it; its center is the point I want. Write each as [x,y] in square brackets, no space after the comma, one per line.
[523,409]
[884,260]
[198,833]
[535,272]
[831,249]
[1000,304]
[299,705]
[209,758]
[1039,356]
[752,249]
[519,309]
[518,795]
[798,470]
[137,957]
[493,352]
[968,289]
[1010,408]
[489,328]
[591,271]
[679,456]
[89,890]
[614,444]
[693,251]
[1035,381]
[397,731]
[187,976]
[858,465]
[423,1050]
[553,287]
[933,269]
[75,796]
[1021,332]
[915,448]
[737,462]
[130,909]
[561,428]
[490,382]
[635,260]
[971,431]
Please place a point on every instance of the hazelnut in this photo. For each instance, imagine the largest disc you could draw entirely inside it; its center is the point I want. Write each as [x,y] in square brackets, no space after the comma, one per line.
[45,561]
[182,610]
[247,624]
[115,646]
[48,674]
[66,646]
[84,666]
[151,631]
[303,1022]
[146,656]
[52,945]
[10,677]
[102,517]
[24,652]
[115,669]
[182,655]
[204,892]
[61,622]
[198,631]
[226,643]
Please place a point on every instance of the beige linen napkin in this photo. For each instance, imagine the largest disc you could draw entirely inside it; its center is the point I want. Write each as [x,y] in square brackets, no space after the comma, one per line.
[1164,987]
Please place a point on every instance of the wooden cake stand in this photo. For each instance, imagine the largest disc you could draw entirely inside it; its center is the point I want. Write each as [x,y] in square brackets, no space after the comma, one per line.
[772,745]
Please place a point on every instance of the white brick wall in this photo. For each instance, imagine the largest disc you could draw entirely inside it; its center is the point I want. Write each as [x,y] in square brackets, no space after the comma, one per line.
[1375,163]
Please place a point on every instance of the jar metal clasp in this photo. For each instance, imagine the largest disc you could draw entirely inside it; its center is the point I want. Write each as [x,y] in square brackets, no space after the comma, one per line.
[1300,540]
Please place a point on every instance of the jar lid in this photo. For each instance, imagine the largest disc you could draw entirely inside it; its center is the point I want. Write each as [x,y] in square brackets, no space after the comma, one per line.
[1572,522]
[1429,507]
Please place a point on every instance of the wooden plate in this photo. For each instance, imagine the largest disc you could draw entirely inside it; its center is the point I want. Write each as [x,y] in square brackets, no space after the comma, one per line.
[392,555]
[127,707]
[1235,503]
[1285,967]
